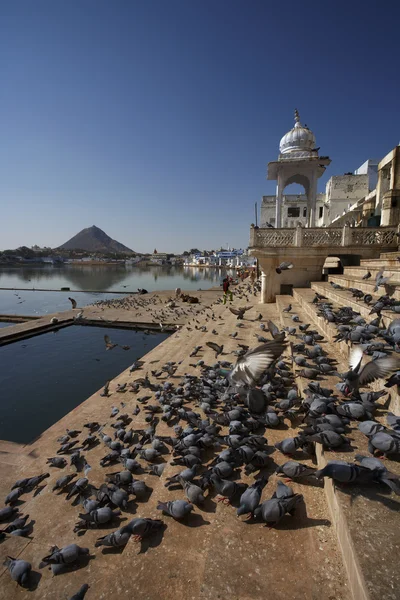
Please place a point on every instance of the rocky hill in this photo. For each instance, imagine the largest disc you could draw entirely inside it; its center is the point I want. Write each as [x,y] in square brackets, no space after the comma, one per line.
[93,239]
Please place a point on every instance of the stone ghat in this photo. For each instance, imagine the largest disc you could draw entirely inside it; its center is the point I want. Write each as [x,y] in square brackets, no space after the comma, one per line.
[214,554]
[341,542]
[150,311]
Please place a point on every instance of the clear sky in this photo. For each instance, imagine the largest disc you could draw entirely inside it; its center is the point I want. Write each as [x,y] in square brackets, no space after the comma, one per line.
[155,119]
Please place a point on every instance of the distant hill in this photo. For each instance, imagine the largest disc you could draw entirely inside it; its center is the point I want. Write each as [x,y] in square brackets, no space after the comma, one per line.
[93,239]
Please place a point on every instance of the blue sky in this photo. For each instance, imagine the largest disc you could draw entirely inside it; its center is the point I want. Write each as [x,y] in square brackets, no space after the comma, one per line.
[155,120]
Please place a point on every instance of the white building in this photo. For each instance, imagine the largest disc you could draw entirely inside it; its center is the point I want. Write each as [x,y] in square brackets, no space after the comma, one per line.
[300,163]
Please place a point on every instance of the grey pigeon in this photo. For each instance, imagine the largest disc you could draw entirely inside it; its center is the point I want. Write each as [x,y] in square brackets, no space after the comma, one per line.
[193,492]
[80,594]
[64,556]
[116,539]
[100,515]
[250,499]
[18,569]
[385,443]
[7,512]
[289,445]
[284,266]
[16,524]
[295,470]
[142,528]
[57,461]
[227,489]
[273,510]
[62,482]
[79,486]
[177,509]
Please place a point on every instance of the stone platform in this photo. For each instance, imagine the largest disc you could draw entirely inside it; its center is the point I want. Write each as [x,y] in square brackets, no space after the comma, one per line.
[216,554]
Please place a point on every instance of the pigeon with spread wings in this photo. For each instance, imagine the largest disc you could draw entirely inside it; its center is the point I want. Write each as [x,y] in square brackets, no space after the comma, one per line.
[108,342]
[375,369]
[240,311]
[217,349]
[252,365]
[278,336]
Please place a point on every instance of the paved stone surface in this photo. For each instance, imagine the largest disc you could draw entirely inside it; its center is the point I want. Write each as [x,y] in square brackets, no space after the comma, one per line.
[215,555]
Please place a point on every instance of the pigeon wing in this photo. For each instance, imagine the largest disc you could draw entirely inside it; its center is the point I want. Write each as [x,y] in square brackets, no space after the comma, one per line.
[376,369]
[234,311]
[250,367]
[273,329]
[356,356]
[107,339]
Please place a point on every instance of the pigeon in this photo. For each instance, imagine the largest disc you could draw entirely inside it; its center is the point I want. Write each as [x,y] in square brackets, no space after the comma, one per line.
[375,369]
[79,486]
[116,539]
[284,266]
[177,509]
[227,489]
[193,492]
[273,510]
[108,343]
[64,556]
[253,363]
[278,336]
[57,461]
[73,302]
[240,311]
[16,524]
[7,512]
[19,570]
[384,443]
[367,275]
[217,349]
[250,498]
[287,309]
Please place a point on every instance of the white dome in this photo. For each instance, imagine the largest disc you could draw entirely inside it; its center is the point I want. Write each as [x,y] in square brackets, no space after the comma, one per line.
[299,141]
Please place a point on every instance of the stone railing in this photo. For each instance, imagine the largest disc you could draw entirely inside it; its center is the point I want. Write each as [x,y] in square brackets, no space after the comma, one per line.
[316,237]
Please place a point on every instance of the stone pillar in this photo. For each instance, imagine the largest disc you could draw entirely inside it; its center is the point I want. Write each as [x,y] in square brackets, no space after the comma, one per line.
[312,200]
[263,299]
[298,235]
[391,208]
[278,207]
[346,234]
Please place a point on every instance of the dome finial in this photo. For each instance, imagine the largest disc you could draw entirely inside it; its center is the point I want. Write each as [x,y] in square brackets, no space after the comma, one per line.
[296,116]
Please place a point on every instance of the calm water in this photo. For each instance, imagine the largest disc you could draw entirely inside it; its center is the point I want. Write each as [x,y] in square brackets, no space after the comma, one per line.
[44,377]
[94,278]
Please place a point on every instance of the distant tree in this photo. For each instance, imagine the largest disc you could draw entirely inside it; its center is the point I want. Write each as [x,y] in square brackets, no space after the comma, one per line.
[25,252]
[195,251]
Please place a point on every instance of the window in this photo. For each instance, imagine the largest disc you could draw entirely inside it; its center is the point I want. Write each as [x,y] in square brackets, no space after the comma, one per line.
[293,212]
[321,211]
[305,211]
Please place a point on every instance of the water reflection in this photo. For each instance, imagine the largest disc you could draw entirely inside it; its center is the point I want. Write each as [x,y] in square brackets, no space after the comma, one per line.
[110,277]
[46,392]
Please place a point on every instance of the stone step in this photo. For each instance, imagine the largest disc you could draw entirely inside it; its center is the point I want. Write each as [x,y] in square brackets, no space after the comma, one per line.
[364,517]
[379,263]
[344,297]
[303,297]
[365,286]
[358,272]
[390,255]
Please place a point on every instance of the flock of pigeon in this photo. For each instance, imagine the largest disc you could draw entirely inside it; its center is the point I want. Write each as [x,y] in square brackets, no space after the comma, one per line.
[216,418]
